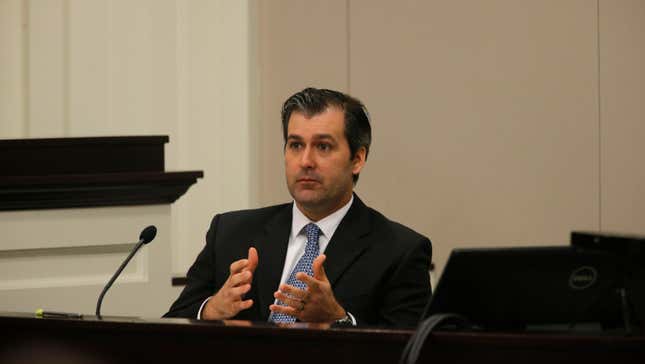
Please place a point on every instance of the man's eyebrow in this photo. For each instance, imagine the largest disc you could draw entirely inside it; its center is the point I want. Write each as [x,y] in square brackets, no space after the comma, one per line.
[323,136]
[315,137]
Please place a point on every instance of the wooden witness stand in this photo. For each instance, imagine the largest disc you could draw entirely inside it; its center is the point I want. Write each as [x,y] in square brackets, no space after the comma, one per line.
[28,339]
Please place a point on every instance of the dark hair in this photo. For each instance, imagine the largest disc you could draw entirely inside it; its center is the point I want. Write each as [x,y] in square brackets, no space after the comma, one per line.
[312,101]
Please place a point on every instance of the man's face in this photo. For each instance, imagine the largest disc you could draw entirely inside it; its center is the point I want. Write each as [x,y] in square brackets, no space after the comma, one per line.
[318,166]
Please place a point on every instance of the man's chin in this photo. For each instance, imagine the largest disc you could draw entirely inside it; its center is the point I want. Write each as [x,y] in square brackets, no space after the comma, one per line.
[306,198]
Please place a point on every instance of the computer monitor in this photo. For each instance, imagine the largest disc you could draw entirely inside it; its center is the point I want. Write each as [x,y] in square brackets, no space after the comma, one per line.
[525,288]
[629,251]
[627,245]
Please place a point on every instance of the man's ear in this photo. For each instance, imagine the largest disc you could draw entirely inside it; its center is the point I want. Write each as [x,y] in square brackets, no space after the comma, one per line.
[359,160]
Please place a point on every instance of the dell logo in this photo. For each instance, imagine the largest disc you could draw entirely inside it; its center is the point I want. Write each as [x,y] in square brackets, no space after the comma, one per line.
[583,277]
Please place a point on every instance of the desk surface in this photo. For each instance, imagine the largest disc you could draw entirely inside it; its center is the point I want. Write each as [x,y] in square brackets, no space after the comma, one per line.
[126,340]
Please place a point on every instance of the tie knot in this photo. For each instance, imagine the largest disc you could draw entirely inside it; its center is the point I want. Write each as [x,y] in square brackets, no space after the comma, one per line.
[313,233]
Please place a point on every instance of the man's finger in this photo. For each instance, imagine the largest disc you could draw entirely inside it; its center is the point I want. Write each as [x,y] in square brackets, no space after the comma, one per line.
[241,290]
[287,310]
[319,270]
[296,303]
[305,278]
[243,305]
[293,291]
[240,278]
[238,265]
[252,260]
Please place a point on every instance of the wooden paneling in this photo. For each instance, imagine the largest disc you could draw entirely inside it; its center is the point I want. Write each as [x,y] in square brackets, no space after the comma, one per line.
[214,124]
[61,259]
[47,85]
[119,67]
[12,69]
[90,83]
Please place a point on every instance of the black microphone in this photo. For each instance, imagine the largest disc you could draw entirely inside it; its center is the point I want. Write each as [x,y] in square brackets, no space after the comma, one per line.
[145,237]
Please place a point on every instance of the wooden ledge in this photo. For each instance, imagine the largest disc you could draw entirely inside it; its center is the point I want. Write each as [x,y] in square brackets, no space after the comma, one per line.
[88,172]
[94,190]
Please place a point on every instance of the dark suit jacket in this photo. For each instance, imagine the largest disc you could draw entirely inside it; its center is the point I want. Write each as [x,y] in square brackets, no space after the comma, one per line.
[378,269]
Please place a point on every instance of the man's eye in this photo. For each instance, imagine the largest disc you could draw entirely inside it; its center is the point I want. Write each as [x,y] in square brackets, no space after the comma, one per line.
[295,145]
[324,147]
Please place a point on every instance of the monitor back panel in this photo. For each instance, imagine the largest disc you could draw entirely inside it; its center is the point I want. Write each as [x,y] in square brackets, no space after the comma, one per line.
[518,287]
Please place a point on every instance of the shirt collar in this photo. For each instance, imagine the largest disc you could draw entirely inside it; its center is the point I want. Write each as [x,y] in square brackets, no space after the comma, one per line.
[327,224]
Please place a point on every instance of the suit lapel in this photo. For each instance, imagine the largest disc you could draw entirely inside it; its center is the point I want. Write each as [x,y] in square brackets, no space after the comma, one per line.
[349,241]
[272,251]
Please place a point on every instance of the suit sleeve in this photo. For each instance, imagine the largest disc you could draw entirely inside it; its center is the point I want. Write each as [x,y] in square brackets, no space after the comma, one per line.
[201,279]
[408,290]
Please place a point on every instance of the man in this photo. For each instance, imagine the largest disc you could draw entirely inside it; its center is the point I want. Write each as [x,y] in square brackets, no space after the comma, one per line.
[326,257]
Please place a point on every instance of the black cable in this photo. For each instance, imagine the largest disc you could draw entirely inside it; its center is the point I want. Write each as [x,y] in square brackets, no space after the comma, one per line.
[412,349]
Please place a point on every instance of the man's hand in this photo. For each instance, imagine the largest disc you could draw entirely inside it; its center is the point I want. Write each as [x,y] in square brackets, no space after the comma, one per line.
[315,304]
[227,302]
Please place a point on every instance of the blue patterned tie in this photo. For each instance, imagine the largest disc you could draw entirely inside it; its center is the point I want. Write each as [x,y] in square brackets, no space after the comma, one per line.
[304,265]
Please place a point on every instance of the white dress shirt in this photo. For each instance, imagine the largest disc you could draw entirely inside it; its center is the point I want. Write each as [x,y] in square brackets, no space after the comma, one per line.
[298,238]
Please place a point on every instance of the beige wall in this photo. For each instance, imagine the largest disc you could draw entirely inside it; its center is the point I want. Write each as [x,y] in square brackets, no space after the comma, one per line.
[622,115]
[293,53]
[495,122]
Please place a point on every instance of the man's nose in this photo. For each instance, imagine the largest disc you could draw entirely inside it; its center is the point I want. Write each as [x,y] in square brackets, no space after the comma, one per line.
[307,159]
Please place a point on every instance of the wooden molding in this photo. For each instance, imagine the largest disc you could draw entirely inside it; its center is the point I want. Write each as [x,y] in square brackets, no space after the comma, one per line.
[88,172]
[94,190]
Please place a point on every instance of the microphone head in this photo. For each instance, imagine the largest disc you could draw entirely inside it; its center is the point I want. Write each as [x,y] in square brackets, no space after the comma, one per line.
[148,234]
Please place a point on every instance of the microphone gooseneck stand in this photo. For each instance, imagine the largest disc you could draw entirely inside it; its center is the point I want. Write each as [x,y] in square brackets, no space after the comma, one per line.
[145,237]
